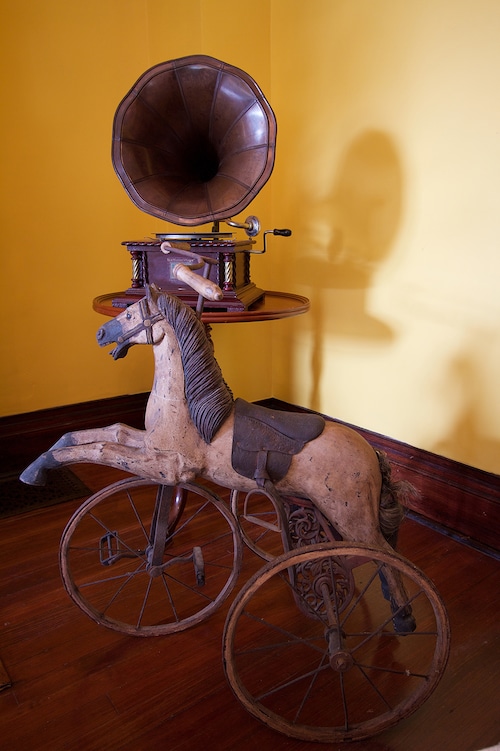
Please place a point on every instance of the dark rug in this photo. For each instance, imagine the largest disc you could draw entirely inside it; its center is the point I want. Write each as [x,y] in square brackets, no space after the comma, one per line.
[18,498]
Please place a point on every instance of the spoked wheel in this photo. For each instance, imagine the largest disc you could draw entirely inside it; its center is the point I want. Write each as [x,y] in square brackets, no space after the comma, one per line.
[149,560]
[310,648]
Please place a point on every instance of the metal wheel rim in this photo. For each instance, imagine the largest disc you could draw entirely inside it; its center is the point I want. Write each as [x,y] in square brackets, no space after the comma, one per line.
[335,734]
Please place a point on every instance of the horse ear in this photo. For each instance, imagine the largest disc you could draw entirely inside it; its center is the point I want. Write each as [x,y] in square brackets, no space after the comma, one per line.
[153,292]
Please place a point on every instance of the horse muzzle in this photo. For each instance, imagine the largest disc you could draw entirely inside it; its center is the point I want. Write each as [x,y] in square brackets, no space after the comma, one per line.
[111,333]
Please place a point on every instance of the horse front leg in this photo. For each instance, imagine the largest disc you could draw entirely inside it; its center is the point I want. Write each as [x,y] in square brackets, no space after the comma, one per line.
[81,446]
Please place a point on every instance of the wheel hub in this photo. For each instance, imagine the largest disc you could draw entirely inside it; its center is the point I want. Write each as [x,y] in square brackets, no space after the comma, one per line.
[341,660]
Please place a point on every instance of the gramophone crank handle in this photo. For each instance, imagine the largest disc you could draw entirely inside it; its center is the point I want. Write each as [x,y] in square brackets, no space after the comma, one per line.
[205,287]
[281,232]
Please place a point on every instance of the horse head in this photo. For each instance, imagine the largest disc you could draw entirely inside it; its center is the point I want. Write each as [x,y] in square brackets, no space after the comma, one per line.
[208,397]
[132,326]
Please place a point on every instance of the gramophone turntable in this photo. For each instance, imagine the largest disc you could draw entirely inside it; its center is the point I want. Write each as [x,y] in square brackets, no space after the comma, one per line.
[193,143]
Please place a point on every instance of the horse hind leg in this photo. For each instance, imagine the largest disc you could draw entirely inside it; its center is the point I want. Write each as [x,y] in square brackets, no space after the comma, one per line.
[393,589]
[394,592]
[377,523]
[391,514]
[364,527]
[392,586]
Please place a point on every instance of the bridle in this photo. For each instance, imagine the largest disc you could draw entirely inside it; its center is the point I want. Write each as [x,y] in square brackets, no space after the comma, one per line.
[146,324]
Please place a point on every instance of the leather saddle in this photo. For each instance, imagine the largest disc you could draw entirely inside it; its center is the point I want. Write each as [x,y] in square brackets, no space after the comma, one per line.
[265,440]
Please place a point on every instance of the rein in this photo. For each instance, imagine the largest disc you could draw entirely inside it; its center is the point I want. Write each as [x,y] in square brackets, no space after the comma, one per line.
[146,324]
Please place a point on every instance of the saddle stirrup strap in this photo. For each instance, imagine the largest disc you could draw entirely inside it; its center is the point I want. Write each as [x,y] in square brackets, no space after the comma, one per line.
[261,475]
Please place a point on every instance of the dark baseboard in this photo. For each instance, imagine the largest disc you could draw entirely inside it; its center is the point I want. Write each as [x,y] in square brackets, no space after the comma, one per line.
[457,499]
[24,437]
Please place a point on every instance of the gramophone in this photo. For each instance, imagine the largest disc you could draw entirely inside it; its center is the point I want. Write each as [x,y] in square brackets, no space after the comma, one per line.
[193,143]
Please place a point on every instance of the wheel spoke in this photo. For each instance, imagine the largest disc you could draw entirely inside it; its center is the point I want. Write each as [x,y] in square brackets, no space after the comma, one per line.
[170,598]
[310,687]
[359,599]
[292,638]
[406,672]
[286,684]
[146,595]
[190,518]
[128,576]
[362,669]
[120,589]
[138,517]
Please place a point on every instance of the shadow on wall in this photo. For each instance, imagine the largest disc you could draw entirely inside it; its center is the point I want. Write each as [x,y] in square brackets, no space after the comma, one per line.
[360,219]
[472,436]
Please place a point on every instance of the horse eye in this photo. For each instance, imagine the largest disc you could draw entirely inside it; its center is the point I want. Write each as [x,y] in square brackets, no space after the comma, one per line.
[128,316]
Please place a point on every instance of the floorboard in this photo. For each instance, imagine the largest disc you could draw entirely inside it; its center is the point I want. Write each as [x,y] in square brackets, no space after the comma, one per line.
[77,686]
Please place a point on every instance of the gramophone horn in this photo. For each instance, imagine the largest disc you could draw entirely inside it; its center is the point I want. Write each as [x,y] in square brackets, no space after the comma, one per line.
[194,140]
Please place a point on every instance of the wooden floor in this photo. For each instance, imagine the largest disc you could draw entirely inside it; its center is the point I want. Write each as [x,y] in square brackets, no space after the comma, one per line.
[77,685]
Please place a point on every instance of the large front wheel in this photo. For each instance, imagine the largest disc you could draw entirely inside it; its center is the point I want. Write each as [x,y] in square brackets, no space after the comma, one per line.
[311,649]
[148,560]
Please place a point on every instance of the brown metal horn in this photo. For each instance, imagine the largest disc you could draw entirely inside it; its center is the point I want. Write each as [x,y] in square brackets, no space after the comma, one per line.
[194,140]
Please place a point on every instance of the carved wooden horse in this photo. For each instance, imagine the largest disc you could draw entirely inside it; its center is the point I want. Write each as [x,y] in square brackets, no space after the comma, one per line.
[190,431]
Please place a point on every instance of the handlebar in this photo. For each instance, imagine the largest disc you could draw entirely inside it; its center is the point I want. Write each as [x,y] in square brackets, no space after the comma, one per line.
[200,283]
[205,287]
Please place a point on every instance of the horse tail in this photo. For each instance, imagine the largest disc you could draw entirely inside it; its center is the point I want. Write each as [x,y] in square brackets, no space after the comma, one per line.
[392,496]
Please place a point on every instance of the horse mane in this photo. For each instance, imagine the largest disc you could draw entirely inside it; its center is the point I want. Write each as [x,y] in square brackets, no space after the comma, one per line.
[209,398]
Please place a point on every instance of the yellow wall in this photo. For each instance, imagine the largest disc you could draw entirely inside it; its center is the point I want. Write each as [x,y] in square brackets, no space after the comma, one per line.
[391,178]
[387,170]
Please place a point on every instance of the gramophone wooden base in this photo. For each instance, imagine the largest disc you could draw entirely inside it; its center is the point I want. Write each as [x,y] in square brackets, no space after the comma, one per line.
[272,305]
[230,270]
